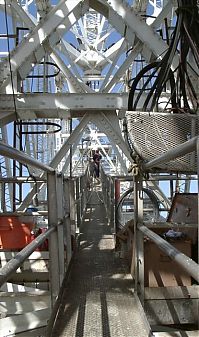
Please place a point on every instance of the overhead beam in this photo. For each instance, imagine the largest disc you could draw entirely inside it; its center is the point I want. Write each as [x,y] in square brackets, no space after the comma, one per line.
[61,105]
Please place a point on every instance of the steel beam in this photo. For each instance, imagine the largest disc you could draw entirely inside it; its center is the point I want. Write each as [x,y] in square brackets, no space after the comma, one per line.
[109,127]
[126,64]
[60,18]
[138,240]
[54,266]
[67,221]
[74,84]
[61,105]
[60,229]
[127,23]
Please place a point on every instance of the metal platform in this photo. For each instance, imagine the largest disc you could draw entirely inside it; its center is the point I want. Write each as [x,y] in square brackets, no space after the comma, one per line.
[98,298]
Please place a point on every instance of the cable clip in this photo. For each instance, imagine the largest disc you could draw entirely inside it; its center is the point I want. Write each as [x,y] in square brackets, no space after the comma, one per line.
[134,169]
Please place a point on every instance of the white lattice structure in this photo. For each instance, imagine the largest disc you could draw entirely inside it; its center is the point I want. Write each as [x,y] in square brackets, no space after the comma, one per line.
[68,59]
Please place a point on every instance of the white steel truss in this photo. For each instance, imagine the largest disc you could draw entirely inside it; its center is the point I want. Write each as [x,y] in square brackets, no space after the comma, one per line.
[74,58]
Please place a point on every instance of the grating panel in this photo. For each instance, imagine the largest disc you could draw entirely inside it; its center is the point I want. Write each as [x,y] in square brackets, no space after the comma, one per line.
[98,299]
[152,134]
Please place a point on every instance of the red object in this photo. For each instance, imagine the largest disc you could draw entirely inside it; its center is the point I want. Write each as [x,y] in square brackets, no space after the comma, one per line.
[44,245]
[117,190]
[14,234]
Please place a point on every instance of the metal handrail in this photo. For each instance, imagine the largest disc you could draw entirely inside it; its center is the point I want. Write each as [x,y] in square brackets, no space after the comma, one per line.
[191,267]
[13,264]
[176,152]
[22,157]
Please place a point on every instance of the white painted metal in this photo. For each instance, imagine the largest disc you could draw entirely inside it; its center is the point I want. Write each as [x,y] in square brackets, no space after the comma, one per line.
[88,40]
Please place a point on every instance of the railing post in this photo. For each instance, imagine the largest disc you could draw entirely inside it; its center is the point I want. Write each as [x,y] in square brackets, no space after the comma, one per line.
[138,244]
[117,197]
[60,231]
[72,212]
[53,240]
[82,195]
[78,201]
[3,199]
[112,202]
[67,222]
[197,151]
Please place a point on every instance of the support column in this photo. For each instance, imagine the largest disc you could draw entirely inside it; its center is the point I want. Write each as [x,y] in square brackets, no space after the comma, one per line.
[117,197]
[197,151]
[53,240]
[78,200]
[72,212]
[67,223]
[138,244]
[60,230]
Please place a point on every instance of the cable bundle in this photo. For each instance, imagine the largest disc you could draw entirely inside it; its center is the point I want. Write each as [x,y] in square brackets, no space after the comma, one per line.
[184,42]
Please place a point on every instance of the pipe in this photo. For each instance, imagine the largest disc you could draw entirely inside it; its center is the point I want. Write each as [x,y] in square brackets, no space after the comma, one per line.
[184,261]
[22,157]
[20,257]
[176,152]
[21,180]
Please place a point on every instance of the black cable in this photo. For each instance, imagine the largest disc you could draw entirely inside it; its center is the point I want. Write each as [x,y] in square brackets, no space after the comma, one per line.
[41,123]
[47,76]
[183,40]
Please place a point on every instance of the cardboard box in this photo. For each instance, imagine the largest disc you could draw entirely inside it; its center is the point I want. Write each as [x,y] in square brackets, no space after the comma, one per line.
[160,270]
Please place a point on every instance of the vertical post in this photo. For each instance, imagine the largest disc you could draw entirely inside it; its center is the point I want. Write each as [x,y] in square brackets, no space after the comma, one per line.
[3,198]
[117,189]
[67,224]
[53,240]
[117,197]
[109,201]
[81,195]
[60,231]
[78,200]
[197,152]
[72,213]
[71,149]
[138,238]
[112,201]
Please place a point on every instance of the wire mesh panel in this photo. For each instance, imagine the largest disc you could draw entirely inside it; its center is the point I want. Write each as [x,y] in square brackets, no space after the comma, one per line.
[153,134]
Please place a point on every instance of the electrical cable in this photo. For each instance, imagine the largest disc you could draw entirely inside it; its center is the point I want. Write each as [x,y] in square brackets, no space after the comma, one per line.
[184,39]
[41,132]
[46,76]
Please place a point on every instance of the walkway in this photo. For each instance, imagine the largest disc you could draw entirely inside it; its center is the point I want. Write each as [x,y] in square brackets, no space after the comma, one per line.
[98,298]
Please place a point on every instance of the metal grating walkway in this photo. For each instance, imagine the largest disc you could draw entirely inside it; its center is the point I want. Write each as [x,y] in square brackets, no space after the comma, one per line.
[98,298]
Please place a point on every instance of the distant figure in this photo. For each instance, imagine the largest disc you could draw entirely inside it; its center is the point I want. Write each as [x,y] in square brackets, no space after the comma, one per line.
[96,158]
